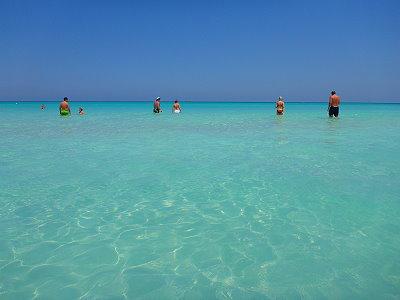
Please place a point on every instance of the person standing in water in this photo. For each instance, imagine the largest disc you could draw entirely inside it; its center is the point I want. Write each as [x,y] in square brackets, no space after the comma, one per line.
[176,107]
[157,106]
[64,107]
[280,106]
[81,112]
[333,104]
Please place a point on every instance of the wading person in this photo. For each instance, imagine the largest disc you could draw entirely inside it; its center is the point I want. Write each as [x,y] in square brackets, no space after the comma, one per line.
[280,106]
[333,105]
[157,106]
[176,107]
[64,107]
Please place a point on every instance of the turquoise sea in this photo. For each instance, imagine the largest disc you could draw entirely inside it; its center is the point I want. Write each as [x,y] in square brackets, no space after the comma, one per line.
[224,201]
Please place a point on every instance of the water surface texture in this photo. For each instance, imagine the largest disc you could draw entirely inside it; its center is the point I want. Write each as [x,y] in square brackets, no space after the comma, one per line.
[226,200]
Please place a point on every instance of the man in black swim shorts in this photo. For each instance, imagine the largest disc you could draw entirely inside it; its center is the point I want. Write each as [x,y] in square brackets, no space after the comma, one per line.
[334,111]
[333,105]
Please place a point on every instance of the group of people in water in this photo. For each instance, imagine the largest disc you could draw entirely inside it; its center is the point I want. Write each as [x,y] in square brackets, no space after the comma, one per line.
[64,108]
[176,107]
[333,106]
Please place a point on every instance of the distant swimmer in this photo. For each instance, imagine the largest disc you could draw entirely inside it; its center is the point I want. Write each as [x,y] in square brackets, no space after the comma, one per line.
[42,107]
[333,105]
[176,107]
[64,107]
[280,106]
[81,112]
[157,106]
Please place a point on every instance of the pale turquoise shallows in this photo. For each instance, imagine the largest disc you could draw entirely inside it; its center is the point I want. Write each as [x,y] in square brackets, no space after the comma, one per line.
[225,200]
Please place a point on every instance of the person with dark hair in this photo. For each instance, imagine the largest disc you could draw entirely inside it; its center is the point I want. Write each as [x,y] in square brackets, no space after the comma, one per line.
[81,112]
[157,106]
[176,107]
[280,106]
[64,107]
[333,105]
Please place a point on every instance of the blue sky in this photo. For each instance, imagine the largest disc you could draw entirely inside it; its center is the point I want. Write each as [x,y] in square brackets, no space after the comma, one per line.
[199,50]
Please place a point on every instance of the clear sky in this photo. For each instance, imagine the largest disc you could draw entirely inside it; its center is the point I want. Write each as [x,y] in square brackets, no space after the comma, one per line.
[200,50]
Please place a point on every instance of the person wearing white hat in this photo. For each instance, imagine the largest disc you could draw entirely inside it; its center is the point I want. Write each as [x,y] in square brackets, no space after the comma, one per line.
[280,106]
[157,106]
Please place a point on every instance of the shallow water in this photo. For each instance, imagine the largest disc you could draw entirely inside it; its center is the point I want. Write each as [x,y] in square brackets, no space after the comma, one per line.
[225,200]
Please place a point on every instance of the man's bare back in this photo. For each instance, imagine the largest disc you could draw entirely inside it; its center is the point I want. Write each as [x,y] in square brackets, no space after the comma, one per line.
[64,105]
[334,100]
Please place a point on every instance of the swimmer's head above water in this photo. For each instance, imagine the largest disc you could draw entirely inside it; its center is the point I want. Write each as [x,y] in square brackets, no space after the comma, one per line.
[333,93]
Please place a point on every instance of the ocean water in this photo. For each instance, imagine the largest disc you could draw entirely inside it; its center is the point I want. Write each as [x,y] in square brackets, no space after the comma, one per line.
[224,201]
